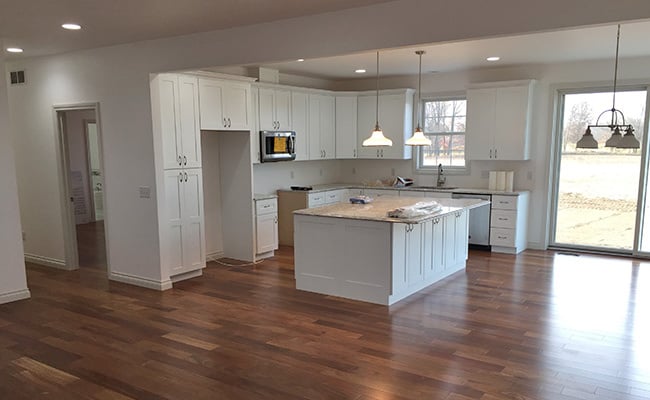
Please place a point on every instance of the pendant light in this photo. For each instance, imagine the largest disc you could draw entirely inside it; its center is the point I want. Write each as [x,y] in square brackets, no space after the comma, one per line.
[418,138]
[617,140]
[377,138]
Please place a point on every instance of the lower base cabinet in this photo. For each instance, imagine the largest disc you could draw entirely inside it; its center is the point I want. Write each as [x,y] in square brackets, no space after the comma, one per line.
[266,227]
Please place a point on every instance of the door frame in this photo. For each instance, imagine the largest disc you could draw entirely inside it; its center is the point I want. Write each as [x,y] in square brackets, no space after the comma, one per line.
[91,194]
[71,251]
[555,164]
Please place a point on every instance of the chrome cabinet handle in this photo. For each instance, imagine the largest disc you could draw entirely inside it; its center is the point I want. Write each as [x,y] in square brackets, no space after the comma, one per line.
[324,153]
[186,177]
[490,153]
[354,152]
[495,153]
[229,123]
[180,160]
[224,122]
[382,153]
[180,177]
[184,160]
[275,219]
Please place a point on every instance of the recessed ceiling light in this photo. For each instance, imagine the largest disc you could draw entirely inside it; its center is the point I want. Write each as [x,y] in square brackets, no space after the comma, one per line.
[14,49]
[493,58]
[71,27]
[360,71]
[300,60]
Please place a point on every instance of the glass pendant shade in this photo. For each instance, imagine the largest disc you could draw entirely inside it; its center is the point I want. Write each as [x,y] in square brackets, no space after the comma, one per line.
[615,139]
[629,141]
[587,141]
[377,139]
[418,138]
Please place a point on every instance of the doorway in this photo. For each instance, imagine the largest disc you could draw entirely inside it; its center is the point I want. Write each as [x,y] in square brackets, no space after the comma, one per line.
[83,187]
[596,193]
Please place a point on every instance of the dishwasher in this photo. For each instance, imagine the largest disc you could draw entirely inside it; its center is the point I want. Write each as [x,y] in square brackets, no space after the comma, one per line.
[479,220]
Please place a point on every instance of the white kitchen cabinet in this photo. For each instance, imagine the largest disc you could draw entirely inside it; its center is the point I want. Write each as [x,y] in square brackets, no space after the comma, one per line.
[225,105]
[498,121]
[177,120]
[321,127]
[433,239]
[183,234]
[395,119]
[408,268]
[438,195]
[346,127]
[508,223]
[456,236]
[300,123]
[266,227]
[274,109]
[256,156]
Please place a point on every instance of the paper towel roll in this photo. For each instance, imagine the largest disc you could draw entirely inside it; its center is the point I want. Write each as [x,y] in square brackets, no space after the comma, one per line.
[493,180]
[510,181]
[501,180]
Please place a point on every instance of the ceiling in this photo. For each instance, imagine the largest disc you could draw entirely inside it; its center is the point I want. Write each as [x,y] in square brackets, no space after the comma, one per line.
[35,25]
[549,47]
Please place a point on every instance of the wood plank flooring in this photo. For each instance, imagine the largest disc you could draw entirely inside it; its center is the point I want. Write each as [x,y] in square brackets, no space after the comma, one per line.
[536,326]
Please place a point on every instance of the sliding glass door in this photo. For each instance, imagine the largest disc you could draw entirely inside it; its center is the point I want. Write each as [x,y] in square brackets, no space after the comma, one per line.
[596,202]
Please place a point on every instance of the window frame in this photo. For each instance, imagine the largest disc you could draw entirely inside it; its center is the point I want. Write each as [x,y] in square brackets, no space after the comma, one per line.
[433,169]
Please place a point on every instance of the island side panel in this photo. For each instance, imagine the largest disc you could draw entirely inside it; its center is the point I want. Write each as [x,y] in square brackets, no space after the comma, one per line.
[343,257]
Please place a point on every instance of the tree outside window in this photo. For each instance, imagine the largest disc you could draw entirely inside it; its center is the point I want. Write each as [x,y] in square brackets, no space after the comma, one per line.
[444,123]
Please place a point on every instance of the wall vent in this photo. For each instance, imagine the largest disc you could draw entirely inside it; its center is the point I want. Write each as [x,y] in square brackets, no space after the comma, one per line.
[17,77]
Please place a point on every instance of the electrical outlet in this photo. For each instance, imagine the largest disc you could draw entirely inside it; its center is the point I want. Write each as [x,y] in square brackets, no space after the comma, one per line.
[529,175]
[144,192]
[291,174]
[485,174]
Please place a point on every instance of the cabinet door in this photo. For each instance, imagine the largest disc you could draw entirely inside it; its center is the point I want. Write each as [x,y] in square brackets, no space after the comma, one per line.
[327,127]
[266,233]
[450,255]
[255,129]
[190,131]
[511,137]
[480,128]
[236,106]
[266,114]
[169,121]
[211,104]
[414,264]
[438,247]
[346,127]
[315,149]
[462,236]
[365,125]
[193,220]
[395,118]
[299,122]
[283,109]
[173,230]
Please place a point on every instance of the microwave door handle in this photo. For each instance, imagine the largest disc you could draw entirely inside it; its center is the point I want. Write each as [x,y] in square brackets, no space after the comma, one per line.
[292,145]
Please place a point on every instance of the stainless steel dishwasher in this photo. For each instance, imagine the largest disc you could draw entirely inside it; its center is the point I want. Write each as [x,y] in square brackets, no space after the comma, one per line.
[479,220]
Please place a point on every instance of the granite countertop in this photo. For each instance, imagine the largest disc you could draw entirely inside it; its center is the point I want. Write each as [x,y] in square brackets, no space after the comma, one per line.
[260,196]
[376,211]
[334,186]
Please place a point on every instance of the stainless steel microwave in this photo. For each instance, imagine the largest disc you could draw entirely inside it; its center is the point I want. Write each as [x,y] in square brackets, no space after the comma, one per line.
[277,146]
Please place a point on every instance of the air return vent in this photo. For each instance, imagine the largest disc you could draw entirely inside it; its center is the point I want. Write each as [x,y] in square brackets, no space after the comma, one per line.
[17,77]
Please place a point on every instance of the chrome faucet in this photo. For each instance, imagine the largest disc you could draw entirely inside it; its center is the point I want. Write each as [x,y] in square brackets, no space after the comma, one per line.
[441,178]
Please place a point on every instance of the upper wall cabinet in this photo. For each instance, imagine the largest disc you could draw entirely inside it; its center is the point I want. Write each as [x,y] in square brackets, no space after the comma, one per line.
[321,127]
[300,123]
[176,116]
[395,119]
[498,121]
[225,105]
[274,109]
[346,126]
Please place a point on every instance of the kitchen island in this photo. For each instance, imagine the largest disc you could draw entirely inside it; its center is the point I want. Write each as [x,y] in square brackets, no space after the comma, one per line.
[357,252]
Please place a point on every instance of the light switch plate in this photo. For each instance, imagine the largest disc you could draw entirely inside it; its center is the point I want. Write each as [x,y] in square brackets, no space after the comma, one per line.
[145,192]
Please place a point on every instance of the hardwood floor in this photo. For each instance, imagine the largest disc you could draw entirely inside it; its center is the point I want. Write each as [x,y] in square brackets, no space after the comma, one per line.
[91,244]
[537,326]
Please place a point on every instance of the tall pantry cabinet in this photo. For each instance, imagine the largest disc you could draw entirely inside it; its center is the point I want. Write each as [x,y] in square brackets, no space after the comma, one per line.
[177,147]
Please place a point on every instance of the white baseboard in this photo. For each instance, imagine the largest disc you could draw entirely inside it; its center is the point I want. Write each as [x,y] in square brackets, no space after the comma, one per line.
[46,261]
[139,281]
[187,275]
[15,296]
[214,256]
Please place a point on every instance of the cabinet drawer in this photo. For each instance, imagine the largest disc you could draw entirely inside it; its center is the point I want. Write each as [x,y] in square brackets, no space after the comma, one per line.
[503,219]
[504,202]
[316,199]
[268,206]
[333,196]
[502,237]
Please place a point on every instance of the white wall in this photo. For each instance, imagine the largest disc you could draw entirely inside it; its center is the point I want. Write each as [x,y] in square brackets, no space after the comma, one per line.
[212,194]
[13,283]
[78,158]
[118,78]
